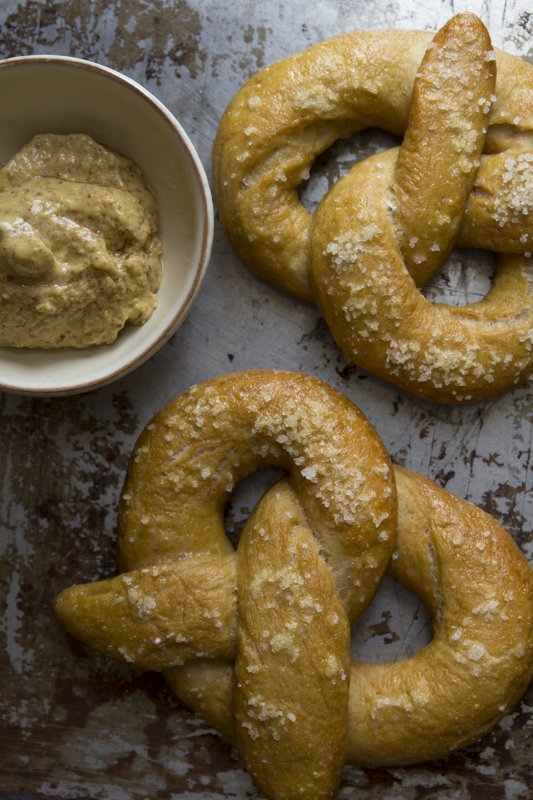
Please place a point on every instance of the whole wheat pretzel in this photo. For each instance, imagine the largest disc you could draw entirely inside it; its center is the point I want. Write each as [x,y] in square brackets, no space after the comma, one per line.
[257,640]
[462,175]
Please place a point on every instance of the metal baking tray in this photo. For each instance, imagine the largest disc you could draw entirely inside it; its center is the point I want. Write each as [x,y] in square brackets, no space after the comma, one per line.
[75,725]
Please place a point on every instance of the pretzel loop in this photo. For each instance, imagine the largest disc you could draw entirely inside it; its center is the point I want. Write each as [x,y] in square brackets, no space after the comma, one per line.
[213,436]
[463,175]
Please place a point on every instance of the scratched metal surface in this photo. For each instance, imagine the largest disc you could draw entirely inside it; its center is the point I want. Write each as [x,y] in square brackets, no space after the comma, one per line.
[73,725]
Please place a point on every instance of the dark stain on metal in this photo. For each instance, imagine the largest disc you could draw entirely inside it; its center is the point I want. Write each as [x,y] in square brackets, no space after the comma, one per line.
[122,35]
[383,629]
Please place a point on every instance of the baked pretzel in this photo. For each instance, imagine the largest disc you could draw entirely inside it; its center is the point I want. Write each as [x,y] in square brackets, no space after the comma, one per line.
[257,640]
[462,175]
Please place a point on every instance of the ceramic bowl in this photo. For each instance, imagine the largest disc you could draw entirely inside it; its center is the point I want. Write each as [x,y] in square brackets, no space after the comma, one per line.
[58,94]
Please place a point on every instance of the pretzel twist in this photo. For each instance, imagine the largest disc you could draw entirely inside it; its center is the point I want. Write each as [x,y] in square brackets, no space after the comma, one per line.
[463,175]
[257,640]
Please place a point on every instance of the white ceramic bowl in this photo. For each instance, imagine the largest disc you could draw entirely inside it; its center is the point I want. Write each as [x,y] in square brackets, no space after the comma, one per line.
[58,94]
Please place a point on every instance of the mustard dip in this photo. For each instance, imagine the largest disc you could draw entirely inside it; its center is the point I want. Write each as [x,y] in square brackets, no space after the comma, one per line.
[79,250]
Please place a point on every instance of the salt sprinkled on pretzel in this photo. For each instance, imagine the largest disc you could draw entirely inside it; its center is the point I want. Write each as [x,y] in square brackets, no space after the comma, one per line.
[463,175]
[257,640]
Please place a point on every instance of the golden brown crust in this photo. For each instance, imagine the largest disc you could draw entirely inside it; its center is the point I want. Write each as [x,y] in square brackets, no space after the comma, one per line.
[211,437]
[284,117]
[317,554]
[441,94]
[290,693]
[440,152]
[257,641]
[479,590]
[379,318]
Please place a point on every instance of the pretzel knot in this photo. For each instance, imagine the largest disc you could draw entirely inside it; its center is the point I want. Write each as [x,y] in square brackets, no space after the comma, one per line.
[462,175]
[257,640]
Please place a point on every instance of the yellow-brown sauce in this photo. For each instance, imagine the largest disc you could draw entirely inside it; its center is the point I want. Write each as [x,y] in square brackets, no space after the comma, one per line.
[79,246]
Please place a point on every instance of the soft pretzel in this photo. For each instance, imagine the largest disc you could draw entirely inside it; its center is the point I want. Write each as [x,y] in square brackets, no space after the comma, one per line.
[463,175]
[257,640]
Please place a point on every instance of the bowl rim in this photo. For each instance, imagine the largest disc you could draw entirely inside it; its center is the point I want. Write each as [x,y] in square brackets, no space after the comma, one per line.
[207,233]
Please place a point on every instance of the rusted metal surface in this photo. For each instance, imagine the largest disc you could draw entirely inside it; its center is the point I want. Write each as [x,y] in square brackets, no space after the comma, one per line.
[74,725]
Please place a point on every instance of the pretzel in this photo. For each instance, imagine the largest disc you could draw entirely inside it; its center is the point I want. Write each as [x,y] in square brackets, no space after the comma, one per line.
[257,640]
[462,175]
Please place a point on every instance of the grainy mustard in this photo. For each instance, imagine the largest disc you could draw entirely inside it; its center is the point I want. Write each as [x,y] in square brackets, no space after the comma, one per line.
[79,246]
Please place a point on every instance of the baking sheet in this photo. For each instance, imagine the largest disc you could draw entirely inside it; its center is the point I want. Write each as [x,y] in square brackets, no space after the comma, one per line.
[74,725]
